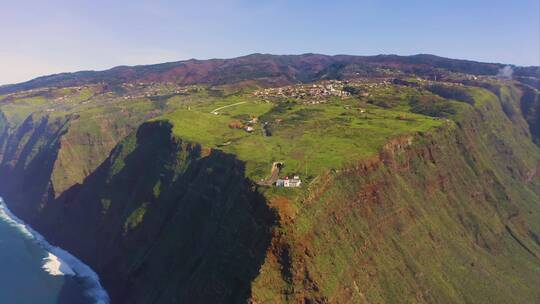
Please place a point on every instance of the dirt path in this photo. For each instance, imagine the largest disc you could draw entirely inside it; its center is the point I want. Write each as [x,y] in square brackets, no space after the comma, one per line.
[274,175]
[215,111]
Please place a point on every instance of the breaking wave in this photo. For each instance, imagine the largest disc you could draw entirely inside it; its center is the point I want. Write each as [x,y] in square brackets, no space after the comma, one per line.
[58,261]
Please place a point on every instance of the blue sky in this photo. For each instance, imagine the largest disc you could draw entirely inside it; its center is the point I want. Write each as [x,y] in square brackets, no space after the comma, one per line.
[43,37]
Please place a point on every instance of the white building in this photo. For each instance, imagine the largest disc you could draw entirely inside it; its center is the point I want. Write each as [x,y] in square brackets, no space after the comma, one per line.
[294,182]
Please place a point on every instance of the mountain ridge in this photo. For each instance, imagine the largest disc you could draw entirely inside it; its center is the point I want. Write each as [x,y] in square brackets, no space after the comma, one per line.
[304,69]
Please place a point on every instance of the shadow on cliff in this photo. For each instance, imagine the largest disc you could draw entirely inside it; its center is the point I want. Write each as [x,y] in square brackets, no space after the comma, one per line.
[165,221]
[530,107]
[29,164]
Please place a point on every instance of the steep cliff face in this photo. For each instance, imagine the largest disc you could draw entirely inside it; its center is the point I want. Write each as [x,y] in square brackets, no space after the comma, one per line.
[449,216]
[446,216]
[51,151]
[167,221]
[4,125]
[530,107]
[27,159]
[85,145]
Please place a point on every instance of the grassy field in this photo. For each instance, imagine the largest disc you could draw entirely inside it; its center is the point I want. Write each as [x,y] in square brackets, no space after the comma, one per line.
[430,227]
[309,139]
[19,110]
[436,232]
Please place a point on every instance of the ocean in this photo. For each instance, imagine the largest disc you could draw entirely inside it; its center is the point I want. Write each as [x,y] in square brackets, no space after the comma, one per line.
[34,272]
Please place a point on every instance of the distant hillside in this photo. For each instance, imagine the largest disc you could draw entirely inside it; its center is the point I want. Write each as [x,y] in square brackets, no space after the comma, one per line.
[272,70]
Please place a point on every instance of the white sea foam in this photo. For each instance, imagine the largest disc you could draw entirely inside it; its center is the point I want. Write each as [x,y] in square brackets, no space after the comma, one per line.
[58,261]
[56,267]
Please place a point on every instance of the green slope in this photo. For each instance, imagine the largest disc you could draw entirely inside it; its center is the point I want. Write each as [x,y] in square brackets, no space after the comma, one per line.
[449,218]
[397,206]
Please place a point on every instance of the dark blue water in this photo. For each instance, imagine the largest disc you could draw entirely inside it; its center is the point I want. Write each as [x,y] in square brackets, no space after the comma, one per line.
[23,278]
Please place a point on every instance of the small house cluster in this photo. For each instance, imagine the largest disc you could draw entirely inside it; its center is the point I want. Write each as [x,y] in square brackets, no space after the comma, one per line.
[287,182]
[154,89]
[248,126]
[320,92]
[311,93]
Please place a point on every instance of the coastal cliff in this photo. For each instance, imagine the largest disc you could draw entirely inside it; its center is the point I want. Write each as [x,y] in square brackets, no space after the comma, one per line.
[449,215]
